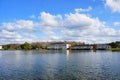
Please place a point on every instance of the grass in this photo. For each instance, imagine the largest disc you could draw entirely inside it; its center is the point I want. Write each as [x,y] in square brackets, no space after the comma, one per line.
[115,49]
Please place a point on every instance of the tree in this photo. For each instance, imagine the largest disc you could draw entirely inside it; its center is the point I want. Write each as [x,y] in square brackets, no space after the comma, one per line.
[115,44]
[26,46]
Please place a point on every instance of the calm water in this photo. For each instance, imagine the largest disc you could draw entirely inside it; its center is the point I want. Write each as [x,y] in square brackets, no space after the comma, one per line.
[59,65]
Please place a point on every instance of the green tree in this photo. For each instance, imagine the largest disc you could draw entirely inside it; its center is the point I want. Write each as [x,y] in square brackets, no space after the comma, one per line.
[26,46]
[115,44]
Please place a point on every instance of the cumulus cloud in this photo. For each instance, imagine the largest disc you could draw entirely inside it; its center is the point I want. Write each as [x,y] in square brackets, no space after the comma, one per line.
[83,10]
[26,25]
[81,27]
[114,5]
[72,26]
[9,35]
[15,31]
[32,16]
[49,20]
[117,23]
[81,22]
[108,32]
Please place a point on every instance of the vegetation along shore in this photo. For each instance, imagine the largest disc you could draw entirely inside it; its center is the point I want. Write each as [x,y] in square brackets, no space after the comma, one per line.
[113,46]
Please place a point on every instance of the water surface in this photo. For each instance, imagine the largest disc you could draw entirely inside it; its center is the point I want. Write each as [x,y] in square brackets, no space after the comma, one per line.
[59,65]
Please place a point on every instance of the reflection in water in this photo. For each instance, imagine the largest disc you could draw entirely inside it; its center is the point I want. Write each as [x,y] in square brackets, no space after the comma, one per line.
[0,55]
[59,65]
[67,52]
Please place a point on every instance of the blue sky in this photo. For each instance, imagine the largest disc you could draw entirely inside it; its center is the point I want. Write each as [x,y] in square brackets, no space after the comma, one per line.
[17,9]
[90,21]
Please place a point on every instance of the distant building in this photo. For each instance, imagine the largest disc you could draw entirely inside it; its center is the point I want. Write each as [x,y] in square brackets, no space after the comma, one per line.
[0,47]
[81,47]
[102,46]
[58,46]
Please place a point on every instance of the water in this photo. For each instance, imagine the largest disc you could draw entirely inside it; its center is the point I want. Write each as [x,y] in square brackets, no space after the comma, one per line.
[59,65]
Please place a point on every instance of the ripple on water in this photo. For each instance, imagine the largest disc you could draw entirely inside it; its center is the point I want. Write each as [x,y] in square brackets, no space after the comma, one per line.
[78,65]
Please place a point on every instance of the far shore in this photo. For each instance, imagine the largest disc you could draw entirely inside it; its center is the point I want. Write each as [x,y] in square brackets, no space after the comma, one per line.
[111,49]
[115,49]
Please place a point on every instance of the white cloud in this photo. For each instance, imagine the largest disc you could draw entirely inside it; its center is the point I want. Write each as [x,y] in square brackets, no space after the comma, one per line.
[83,10]
[32,16]
[72,26]
[81,21]
[117,23]
[55,37]
[108,32]
[26,25]
[8,26]
[82,24]
[8,34]
[13,32]
[49,20]
[114,5]
[82,27]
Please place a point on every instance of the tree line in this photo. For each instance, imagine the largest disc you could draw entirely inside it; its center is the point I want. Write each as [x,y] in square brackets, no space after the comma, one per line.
[115,44]
[35,45]
[43,45]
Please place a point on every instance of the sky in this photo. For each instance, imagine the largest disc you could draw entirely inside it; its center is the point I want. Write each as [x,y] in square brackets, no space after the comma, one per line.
[89,21]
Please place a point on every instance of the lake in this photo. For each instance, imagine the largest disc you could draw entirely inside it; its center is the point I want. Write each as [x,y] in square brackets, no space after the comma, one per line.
[59,65]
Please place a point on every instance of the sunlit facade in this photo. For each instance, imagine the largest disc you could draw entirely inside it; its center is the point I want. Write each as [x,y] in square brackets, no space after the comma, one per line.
[0,47]
[58,46]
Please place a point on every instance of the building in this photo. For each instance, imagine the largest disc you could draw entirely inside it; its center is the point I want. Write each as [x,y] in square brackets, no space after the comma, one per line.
[102,46]
[58,46]
[81,47]
[0,47]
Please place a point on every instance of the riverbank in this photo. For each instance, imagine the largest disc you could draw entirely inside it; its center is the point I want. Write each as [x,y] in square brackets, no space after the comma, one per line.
[115,49]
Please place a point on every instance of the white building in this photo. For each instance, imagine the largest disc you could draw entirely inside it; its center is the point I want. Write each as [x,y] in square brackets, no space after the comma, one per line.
[58,46]
[102,46]
[0,47]
[81,47]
